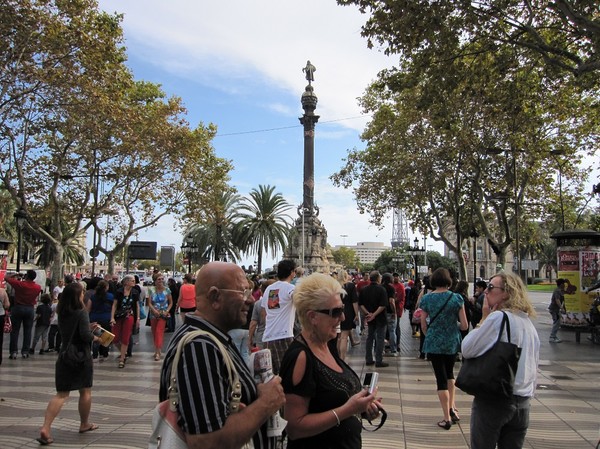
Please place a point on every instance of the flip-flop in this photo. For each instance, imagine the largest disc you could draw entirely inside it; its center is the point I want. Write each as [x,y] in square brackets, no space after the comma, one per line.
[89,429]
[45,441]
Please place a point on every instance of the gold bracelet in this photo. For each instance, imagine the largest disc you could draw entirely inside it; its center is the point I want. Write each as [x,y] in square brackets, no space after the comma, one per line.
[336,417]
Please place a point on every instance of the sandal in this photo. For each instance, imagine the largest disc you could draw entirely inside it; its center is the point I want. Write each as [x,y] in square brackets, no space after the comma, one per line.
[445,424]
[454,415]
[121,363]
[156,357]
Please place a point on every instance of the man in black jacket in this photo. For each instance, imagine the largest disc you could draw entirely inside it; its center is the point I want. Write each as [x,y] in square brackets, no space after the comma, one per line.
[373,301]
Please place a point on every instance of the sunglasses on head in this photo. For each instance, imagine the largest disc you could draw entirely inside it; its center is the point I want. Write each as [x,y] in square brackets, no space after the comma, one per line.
[336,312]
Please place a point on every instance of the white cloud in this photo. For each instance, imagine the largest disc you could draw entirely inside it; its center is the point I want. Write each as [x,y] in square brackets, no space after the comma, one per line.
[257,43]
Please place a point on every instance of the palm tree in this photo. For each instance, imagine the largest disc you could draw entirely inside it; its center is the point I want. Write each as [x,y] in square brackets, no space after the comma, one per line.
[214,236]
[262,222]
[73,251]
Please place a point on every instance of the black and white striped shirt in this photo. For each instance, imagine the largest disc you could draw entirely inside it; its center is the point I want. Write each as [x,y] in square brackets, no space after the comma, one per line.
[204,389]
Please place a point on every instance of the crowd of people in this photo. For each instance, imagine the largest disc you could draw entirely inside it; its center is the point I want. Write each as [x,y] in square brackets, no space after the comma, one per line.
[307,322]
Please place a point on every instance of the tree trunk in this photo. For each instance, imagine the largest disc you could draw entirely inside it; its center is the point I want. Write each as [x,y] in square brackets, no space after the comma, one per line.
[58,265]
[259,265]
[110,256]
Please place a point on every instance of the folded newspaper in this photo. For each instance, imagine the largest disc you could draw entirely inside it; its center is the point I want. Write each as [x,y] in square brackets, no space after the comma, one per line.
[261,368]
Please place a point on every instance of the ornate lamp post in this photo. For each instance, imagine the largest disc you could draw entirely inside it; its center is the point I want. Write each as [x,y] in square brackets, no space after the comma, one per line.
[415,252]
[20,218]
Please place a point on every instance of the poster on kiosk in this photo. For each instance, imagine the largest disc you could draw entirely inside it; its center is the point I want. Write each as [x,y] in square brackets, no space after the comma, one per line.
[580,268]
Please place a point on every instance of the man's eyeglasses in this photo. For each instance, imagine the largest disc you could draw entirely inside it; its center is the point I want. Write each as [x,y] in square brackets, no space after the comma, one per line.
[491,287]
[336,312]
[246,292]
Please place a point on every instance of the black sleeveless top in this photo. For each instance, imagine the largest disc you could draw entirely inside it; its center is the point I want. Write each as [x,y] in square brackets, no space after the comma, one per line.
[327,389]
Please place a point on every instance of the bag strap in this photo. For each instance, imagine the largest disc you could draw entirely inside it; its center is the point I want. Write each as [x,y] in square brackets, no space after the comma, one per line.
[440,311]
[505,321]
[173,393]
[73,332]
[375,427]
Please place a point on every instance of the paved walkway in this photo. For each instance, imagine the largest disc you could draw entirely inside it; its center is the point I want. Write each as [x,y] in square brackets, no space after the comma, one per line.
[565,412]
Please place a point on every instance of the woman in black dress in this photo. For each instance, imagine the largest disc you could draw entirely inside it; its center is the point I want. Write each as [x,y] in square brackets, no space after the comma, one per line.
[73,320]
[350,300]
[323,394]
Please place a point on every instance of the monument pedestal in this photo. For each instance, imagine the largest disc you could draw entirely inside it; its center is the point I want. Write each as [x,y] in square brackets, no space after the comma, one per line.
[309,245]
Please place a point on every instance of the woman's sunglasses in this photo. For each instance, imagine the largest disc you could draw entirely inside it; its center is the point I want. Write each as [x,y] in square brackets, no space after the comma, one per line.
[336,312]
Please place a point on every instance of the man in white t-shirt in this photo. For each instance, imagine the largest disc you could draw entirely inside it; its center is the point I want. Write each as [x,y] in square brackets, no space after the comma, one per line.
[279,313]
[58,289]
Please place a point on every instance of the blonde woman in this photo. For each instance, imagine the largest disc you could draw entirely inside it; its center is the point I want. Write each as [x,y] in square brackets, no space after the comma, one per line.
[124,313]
[496,421]
[159,303]
[323,394]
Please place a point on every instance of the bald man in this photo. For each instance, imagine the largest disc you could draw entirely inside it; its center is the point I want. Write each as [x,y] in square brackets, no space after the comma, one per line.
[222,298]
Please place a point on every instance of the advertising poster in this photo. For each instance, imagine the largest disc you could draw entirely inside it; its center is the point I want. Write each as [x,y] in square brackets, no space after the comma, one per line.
[568,268]
[589,267]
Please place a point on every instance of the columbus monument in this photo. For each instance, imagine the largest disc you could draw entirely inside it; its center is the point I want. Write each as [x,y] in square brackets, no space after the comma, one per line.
[308,243]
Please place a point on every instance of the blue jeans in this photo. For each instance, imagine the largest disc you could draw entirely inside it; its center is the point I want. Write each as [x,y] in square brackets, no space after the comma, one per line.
[501,422]
[376,335]
[556,320]
[392,321]
[21,314]
[239,338]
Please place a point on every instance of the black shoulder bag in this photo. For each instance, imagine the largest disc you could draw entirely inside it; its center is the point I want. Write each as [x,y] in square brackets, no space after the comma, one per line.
[72,356]
[492,374]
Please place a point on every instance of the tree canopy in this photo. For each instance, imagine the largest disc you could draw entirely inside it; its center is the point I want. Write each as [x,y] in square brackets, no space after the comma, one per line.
[562,35]
[81,139]
[439,124]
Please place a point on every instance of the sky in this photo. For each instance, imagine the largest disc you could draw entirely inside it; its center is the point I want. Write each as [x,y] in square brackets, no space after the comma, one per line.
[238,64]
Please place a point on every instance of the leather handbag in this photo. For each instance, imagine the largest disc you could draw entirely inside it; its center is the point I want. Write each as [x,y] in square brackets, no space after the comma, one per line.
[166,433]
[492,375]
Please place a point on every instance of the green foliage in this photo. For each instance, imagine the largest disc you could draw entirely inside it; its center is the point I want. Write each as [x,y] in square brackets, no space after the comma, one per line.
[346,257]
[82,139]
[563,35]
[215,237]
[435,260]
[437,115]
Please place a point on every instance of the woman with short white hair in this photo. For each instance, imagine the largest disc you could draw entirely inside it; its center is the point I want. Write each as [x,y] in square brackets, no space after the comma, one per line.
[323,394]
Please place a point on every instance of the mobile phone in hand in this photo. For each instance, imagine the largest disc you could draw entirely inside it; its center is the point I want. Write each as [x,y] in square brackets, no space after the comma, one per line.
[370,381]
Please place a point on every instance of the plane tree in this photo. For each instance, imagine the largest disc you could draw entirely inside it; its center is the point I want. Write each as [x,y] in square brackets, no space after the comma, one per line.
[81,139]
[562,36]
[430,145]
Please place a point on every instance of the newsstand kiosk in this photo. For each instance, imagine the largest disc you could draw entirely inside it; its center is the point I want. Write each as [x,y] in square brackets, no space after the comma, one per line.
[578,254]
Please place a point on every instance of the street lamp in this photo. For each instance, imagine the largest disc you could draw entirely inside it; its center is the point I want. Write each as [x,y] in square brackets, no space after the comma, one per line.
[190,247]
[416,242]
[474,236]
[20,218]
[344,237]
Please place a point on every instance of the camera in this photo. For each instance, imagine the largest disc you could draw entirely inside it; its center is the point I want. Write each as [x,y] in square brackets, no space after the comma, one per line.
[370,381]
